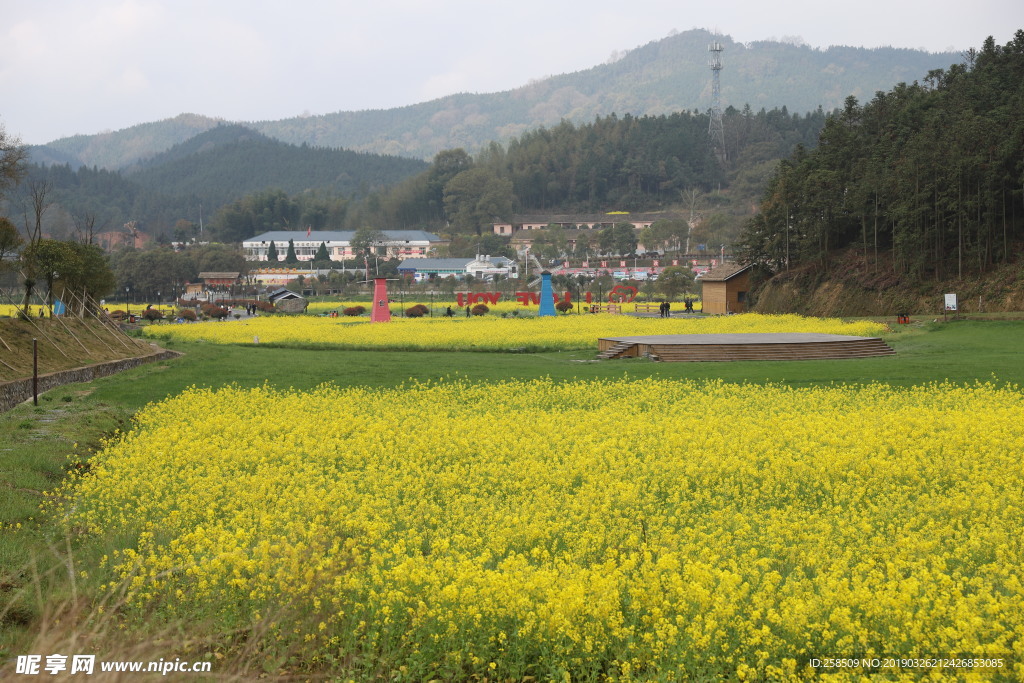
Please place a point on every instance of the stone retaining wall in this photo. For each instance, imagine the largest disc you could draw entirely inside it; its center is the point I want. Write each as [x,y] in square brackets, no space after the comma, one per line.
[20,390]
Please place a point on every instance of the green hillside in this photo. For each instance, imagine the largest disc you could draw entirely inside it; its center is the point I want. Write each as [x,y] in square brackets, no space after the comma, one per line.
[212,169]
[229,161]
[923,183]
[662,77]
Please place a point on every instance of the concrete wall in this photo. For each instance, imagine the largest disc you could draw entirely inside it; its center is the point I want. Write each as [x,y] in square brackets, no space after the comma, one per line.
[20,390]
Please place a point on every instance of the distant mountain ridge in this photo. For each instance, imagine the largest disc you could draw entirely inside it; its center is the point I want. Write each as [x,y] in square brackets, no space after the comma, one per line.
[231,160]
[212,169]
[661,77]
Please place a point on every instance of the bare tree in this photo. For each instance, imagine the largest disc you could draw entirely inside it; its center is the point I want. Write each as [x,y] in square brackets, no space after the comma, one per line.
[38,202]
[85,227]
[13,155]
[38,191]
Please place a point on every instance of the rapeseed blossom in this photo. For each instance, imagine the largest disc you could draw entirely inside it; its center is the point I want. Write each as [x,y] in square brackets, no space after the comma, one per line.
[488,333]
[516,529]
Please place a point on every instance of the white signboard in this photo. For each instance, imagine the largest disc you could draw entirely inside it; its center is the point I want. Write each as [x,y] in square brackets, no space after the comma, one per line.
[951,302]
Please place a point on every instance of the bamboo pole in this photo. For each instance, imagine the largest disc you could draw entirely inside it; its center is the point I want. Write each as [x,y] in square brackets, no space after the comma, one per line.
[68,330]
[45,336]
[106,324]
[87,325]
[120,334]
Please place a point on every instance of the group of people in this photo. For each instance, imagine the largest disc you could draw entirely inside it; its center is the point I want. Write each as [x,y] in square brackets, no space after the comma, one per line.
[666,308]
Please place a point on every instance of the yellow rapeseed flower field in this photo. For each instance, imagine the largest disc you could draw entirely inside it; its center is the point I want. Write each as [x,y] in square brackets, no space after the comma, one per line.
[599,530]
[487,333]
[506,305]
[11,311]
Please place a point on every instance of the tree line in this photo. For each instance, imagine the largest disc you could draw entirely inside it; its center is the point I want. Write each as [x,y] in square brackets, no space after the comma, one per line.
[930,173]
[625,163]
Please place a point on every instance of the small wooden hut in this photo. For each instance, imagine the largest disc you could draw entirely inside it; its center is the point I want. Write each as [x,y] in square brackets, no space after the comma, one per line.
[725,289]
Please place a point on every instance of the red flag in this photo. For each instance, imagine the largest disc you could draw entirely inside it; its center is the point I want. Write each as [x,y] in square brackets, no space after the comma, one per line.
[308,229]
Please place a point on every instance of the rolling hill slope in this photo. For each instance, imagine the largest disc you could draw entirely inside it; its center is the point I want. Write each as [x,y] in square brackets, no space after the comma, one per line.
[661,77]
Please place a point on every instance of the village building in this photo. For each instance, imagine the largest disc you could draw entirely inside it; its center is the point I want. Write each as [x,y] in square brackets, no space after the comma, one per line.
[112,240]
[725,289]
[210,281]
[395,244]
[481,267]
[578,221]
[287,301]
[219,279]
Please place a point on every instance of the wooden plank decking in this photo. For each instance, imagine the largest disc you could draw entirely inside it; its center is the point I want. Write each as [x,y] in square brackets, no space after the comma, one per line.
[736,347]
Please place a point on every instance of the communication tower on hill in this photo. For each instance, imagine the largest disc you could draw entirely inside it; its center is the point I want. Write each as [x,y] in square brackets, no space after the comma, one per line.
[716,131]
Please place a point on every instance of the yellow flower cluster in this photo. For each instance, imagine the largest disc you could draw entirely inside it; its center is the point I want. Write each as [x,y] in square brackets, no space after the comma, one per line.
[11,311]
[505,304]
[488,333]
[318,307]
[613,530]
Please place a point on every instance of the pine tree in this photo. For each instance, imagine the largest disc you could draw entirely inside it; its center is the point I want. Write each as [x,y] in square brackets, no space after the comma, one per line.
[290,257]
[321,254]
[272,253]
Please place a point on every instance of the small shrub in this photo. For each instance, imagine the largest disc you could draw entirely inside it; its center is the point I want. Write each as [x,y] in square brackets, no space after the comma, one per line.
[214,311]
[417,311]
[152,314]
[563,306]
[354,310]
[480,309]
[187,314]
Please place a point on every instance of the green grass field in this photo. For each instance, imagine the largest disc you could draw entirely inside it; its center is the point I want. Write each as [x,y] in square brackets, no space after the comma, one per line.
[958,351]
[38,445]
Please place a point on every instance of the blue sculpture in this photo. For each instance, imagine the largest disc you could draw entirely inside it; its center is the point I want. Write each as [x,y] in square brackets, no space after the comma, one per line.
[547,296]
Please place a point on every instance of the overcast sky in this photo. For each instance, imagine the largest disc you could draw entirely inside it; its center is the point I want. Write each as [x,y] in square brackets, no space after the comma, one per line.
[85,66]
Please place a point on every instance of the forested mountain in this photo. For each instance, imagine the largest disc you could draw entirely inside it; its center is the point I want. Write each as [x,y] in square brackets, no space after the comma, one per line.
[230,161]
[627,163]
[116,150]
[931,175]
[210,170]
[662,77]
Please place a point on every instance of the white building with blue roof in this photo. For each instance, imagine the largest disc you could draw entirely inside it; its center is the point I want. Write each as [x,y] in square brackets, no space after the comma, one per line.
[403,244]
[481,267]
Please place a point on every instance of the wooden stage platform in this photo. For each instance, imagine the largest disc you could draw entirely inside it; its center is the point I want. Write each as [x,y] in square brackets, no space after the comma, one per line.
[732,347]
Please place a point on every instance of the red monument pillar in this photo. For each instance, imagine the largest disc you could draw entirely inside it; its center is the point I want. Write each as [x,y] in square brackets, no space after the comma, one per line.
[381,312]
